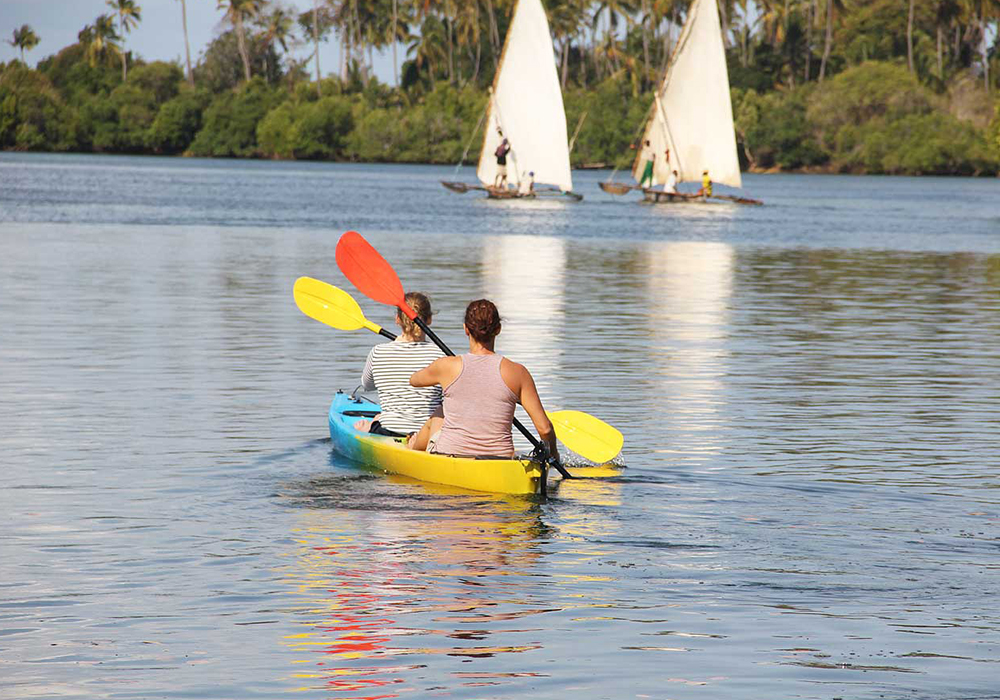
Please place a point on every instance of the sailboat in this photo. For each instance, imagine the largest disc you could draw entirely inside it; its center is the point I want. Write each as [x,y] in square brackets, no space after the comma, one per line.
[690,123]
[526,108]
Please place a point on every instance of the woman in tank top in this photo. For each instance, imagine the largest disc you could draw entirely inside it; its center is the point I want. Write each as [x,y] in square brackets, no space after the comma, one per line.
[481,390]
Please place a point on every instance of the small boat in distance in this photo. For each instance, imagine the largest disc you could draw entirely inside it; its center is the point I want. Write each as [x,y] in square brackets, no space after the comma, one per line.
[526,109]
[690,125]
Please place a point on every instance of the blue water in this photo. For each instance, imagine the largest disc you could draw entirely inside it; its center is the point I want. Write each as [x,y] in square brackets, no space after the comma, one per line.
[808,391]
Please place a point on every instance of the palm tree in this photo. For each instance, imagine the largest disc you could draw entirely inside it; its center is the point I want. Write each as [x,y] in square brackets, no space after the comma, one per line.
[467,33]
[566,19]
[99,39]
[986,10]
[945,14]
[277,27]
[315,34]
[24,38]
[832,6]
[390,26]
[909,37]
[129,15]
[494,33]
[187,46]
[747,24]
[612,9]
[426,48]
[238,11]
[395,23]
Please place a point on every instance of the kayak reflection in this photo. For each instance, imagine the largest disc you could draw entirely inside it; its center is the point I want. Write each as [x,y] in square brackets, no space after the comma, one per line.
[387,574]
[380,591]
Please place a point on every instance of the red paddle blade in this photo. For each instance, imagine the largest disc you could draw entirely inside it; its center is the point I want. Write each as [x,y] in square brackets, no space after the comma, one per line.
[370,272]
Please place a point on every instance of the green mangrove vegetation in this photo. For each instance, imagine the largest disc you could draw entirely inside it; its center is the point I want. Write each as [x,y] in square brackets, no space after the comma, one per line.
[865,86]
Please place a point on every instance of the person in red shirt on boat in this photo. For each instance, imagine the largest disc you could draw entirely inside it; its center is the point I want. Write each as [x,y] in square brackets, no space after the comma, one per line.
[481,390]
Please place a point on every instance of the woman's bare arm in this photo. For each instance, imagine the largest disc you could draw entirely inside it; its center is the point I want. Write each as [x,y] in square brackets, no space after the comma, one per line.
[429,375]
[443,371]
[532,404]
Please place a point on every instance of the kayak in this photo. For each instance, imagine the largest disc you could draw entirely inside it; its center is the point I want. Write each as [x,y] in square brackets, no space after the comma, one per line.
[517,475]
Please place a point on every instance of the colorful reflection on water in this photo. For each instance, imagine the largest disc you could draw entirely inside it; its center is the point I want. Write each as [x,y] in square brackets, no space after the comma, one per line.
[380,595]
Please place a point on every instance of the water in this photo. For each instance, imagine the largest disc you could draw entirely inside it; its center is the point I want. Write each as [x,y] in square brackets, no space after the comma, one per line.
[808,391]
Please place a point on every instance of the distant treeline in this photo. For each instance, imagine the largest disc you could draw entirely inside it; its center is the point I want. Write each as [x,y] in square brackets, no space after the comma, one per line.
[876,86]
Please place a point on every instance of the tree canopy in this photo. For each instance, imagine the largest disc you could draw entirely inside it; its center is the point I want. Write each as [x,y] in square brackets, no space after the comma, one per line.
[847,85]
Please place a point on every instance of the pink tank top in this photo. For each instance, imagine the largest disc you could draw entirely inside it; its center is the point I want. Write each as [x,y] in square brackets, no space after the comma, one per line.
[478,410]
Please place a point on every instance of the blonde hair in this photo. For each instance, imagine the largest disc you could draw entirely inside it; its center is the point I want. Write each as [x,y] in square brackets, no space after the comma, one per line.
[419,302]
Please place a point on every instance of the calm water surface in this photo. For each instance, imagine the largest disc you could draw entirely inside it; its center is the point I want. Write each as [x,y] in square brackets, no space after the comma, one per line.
[808,390]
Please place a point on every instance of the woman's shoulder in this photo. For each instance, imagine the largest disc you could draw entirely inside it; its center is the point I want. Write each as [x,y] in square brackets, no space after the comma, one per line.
[512,370]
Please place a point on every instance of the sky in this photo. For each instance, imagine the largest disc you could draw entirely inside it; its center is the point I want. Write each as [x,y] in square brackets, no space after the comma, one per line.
[160,35]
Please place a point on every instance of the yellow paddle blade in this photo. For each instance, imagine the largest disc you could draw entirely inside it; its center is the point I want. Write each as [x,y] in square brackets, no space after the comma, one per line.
[330,305]
[586,435]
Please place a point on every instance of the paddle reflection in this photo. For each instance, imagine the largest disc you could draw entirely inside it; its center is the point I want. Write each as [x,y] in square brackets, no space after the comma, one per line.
[689,286]
[379,592]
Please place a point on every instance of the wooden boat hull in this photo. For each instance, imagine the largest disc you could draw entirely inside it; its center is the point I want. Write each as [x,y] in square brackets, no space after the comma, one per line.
[459,187]
[502,193]
[514,476]
[617,188]
[661,197]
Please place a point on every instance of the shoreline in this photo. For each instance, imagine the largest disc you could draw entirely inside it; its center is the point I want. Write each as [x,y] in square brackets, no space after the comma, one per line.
[809,170]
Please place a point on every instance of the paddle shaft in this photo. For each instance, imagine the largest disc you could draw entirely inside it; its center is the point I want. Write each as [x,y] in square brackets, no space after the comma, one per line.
[536,443]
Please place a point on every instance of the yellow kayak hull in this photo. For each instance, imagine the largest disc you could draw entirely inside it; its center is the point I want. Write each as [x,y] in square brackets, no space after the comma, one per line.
[520,475]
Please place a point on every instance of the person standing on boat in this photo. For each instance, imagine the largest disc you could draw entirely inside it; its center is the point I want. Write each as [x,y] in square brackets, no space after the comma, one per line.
[500,181]
[481,390]
[647,173]
[527,185]
[706,185]
[388,368]
[670,186]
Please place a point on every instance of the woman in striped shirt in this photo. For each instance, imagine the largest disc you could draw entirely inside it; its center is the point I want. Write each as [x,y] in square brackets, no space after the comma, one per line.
[389,368]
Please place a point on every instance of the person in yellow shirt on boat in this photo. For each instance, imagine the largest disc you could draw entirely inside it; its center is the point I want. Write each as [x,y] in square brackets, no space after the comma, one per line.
[481,390]
[706,185]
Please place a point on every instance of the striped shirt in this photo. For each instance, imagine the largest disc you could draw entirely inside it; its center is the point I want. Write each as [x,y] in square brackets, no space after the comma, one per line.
[389,367]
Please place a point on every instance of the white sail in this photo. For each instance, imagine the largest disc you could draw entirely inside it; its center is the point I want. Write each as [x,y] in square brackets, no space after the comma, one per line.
[692,114]
[527,105]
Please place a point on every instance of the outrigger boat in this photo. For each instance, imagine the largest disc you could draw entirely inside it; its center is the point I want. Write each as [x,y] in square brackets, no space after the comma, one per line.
[691,118]
[526,106]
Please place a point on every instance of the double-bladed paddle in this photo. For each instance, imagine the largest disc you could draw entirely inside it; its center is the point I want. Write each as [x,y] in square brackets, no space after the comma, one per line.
[332,306]
[375,278]
[584,434]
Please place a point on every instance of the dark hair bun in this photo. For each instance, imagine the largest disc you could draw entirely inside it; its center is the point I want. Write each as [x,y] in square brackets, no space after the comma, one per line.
[483,320]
